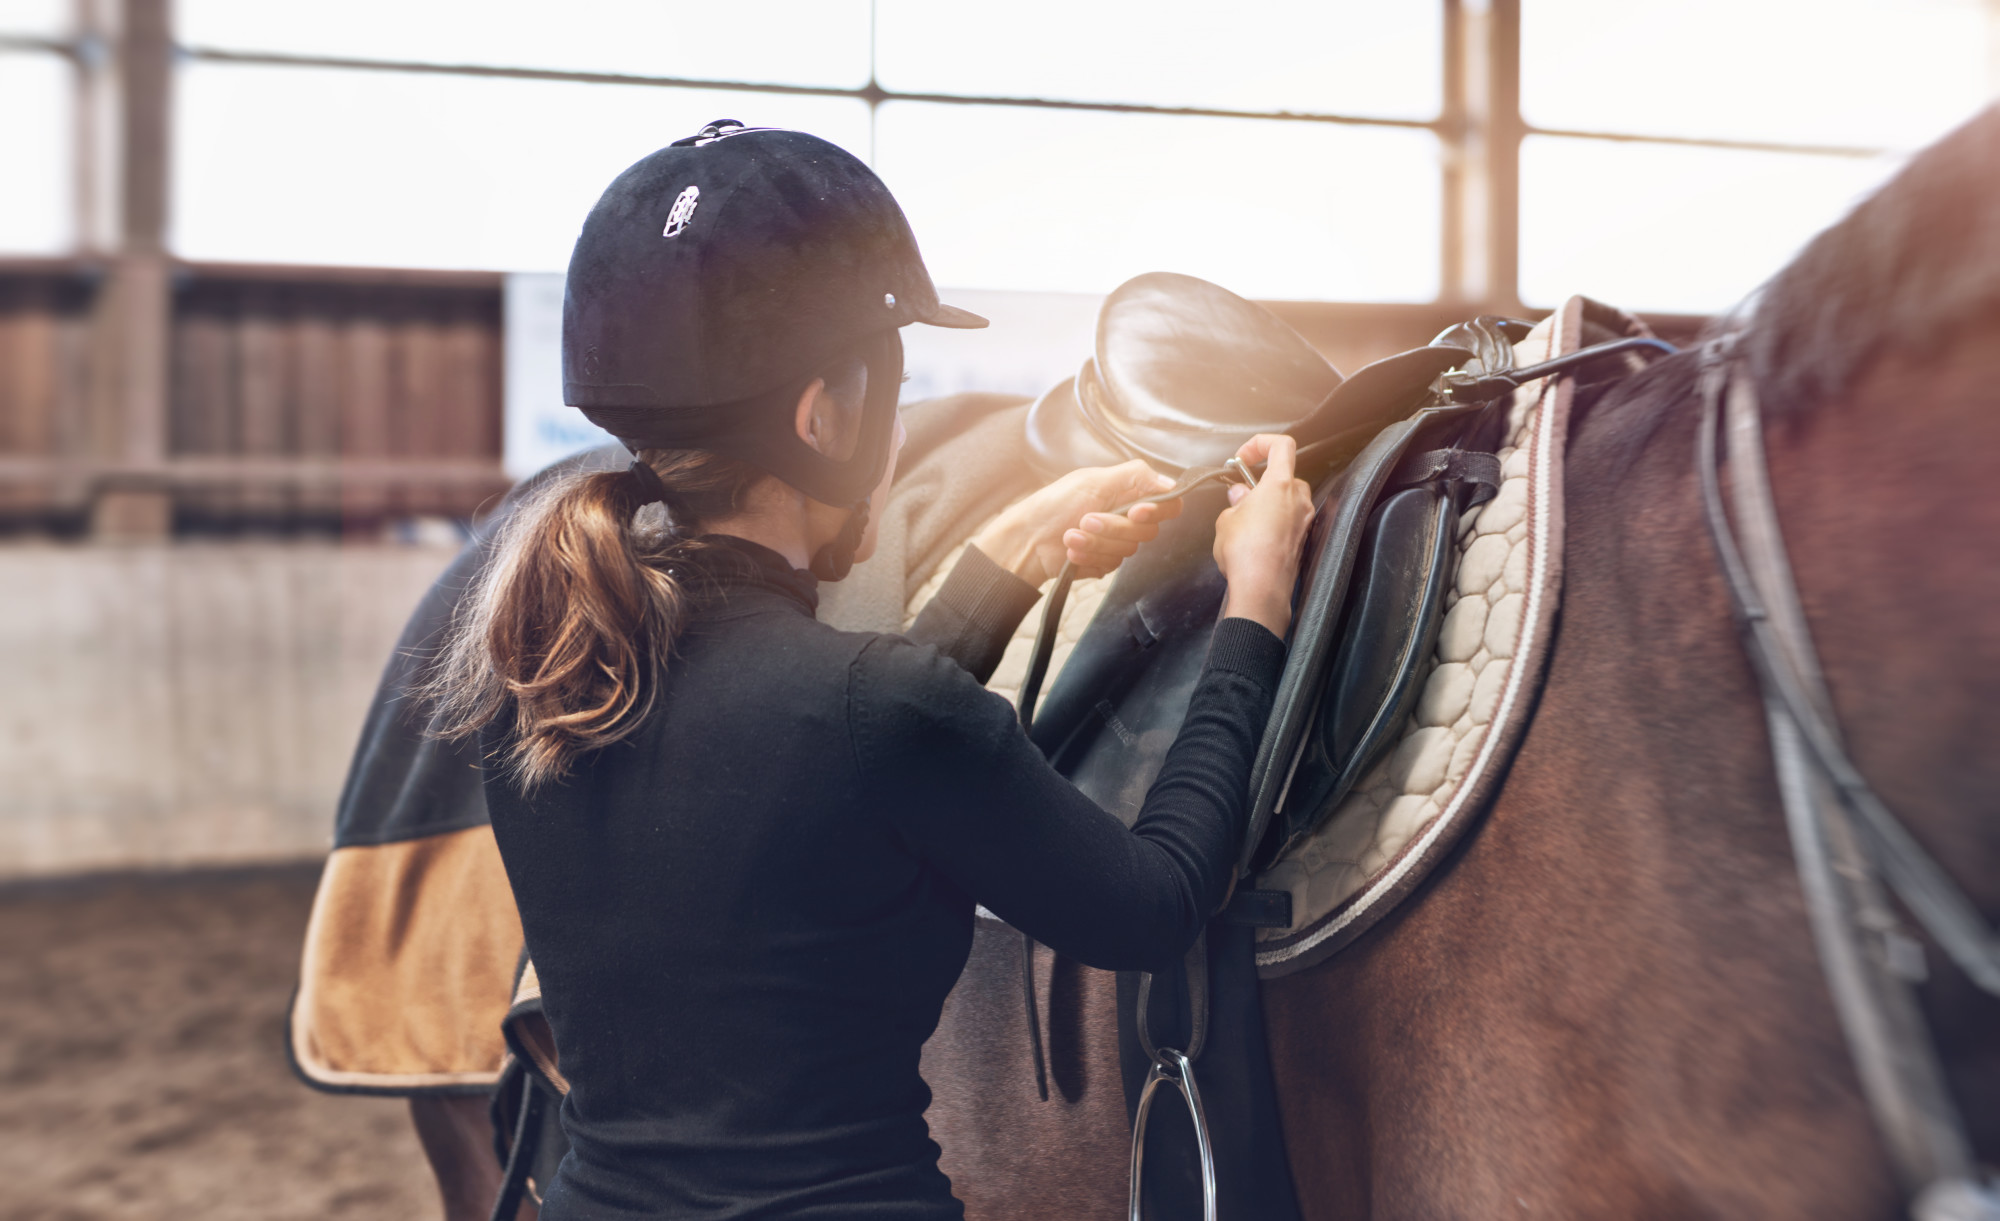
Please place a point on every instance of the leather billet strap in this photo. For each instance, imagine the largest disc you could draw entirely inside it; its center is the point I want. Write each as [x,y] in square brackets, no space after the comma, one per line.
[1845,841]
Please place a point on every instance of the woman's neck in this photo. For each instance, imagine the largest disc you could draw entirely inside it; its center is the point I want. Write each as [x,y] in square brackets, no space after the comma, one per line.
[785,520]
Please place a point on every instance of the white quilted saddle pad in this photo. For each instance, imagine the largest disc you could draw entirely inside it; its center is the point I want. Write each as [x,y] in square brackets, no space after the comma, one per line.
[1409,809]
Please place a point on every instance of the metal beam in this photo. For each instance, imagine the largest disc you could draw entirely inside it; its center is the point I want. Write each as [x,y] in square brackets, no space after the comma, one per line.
[1482,133]
[131,311]
[871,93]
[1751,146]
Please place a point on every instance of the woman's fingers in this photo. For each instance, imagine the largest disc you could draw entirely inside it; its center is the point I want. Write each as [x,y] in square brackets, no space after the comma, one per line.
[1084,544]
[1257,539]
[1278,453]
[1119,528]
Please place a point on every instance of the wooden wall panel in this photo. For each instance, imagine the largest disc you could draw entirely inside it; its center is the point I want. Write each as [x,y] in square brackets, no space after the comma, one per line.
[299,365]
[41,362]
[44,402]
[305,396]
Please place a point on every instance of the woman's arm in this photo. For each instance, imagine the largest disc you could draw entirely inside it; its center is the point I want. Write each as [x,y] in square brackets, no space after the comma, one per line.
[998,577]
[949,765]
[974,613]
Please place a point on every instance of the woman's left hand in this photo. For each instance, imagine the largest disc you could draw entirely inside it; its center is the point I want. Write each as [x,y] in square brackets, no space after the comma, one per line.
[1069,520]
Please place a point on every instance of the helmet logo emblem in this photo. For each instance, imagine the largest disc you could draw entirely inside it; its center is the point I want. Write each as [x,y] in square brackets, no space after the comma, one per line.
[682,212]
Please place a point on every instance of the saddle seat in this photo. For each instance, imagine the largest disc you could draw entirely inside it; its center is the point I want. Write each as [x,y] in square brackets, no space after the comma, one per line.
[1183,372]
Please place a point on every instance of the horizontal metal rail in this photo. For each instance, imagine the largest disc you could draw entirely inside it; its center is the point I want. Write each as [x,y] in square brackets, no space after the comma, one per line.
[873,94]
[199,471]
[1750,146]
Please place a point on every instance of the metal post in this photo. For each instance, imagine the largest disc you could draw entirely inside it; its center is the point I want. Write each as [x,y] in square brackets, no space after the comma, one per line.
[95,127]
[1482,132]
[131,314]
[1503,156]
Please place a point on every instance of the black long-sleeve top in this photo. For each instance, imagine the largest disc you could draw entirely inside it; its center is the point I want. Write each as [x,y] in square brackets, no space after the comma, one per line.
[746,916]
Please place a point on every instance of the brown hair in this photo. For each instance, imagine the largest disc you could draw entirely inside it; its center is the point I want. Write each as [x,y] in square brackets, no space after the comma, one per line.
[568,629]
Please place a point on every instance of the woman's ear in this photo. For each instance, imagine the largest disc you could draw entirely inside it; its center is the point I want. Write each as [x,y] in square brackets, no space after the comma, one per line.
[815,426]
[833,430]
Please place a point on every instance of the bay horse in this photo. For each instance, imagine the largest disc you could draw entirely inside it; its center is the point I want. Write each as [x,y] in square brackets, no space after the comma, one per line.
[1606,1002]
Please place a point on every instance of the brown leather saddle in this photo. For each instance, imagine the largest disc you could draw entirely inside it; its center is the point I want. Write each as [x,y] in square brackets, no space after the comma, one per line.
[1396,454]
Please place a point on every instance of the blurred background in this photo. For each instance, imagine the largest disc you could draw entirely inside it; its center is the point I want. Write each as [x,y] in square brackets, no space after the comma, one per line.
[280,283]
[280,291]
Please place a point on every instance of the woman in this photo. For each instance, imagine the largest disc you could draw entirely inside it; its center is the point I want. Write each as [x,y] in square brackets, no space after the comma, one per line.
[746,847]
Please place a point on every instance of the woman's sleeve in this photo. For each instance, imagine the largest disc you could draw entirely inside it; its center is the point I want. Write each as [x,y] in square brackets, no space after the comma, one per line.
[947,762]
[974,613]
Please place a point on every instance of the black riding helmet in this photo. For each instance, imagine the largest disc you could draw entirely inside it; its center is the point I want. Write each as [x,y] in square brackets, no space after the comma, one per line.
[716,277]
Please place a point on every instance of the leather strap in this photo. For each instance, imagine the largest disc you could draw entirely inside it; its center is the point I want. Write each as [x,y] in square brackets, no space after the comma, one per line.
[1474,469]
[1844,839]
[835,560]
[521,1158]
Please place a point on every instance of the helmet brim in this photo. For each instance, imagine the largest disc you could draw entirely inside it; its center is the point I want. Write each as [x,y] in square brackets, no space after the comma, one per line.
[952,316]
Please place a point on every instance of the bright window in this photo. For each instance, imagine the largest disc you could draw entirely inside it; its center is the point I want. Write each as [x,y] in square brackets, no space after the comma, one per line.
[1693,228]
[35,18]
[1874,73]
[795,42]
[37,96]
[298,165]
[1677,228]
[1316,56]
[1002,197]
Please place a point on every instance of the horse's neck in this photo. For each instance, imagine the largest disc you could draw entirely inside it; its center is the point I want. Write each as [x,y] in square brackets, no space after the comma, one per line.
[1884,496]
[1880,492]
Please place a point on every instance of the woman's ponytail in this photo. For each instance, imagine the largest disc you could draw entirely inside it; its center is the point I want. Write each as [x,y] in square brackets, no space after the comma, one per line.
[567,630]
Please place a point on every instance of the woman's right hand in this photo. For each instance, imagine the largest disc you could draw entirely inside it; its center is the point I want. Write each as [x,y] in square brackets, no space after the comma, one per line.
[1259,537]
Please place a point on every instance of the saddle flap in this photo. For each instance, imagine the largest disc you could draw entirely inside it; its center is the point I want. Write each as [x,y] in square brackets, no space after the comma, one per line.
[1333,545]
[1390,625]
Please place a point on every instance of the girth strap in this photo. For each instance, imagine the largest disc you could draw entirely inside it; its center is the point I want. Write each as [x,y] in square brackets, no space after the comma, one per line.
[1868,960]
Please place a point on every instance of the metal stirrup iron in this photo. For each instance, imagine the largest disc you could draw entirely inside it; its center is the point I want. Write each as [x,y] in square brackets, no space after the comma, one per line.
[1172,1067]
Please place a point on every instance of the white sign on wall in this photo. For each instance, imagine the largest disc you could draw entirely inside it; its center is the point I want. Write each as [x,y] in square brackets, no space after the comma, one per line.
[539,429]
[1036,340]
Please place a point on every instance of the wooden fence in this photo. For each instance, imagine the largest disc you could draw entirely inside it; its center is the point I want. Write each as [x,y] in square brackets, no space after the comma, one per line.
[330,398]
[293,396]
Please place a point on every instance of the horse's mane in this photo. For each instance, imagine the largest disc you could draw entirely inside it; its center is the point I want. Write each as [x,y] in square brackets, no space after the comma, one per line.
[1901,272]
